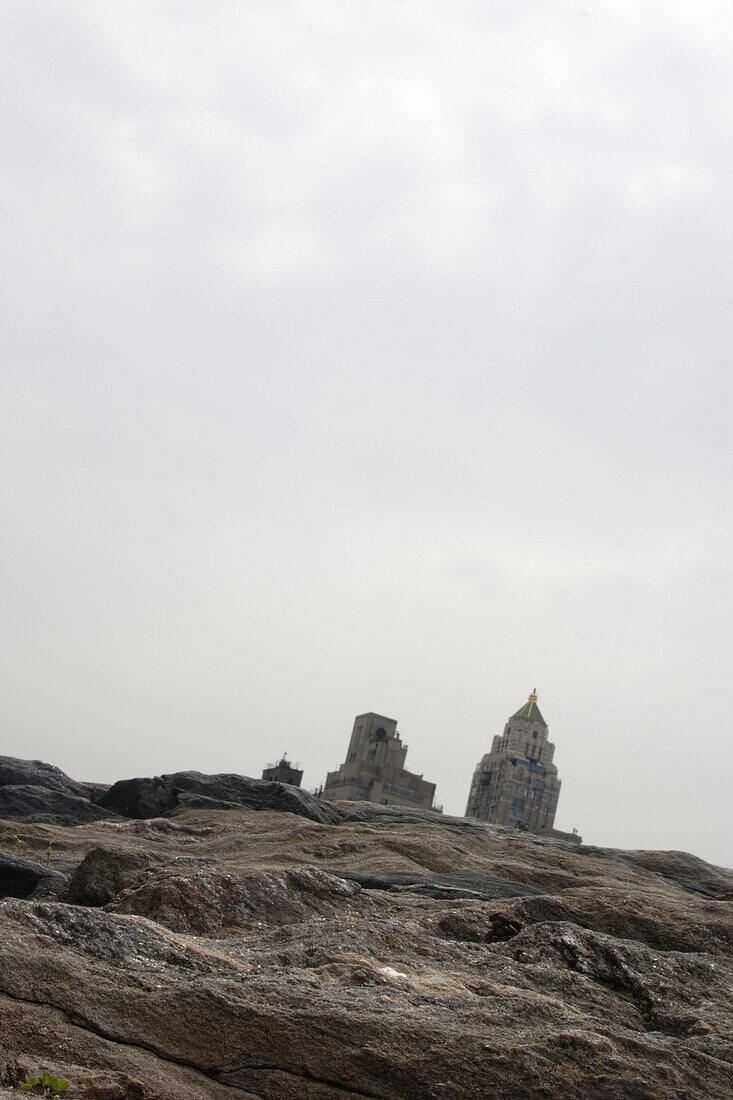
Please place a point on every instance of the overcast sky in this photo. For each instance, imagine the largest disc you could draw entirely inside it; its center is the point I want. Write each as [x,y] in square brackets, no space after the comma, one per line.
[372,356]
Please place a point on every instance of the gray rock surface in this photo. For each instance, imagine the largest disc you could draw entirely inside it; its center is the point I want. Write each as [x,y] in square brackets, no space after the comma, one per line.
[33,791]
[239,953]
[35,773]
[456,884]
[153,797]
[34,803]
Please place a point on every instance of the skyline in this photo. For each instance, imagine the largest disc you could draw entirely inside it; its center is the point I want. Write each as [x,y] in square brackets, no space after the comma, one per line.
[372,358]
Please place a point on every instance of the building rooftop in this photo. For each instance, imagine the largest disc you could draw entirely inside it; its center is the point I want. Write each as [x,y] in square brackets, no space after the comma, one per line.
[531,710]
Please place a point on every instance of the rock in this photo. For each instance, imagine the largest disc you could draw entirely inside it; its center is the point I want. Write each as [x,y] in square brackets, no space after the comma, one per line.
[221,953]
[206,901]
[368,812]
[679,868]
[140,798]
[189,800]
[95,790]
[35,773]
[634,916]
[43,804]
[464,884]
[153,797]
[362,1006]
[96,1068]
[21,879]
[482,927]
[103,874]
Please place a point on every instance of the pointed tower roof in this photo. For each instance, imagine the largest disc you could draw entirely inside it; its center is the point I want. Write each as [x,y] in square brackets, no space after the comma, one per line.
[531,710]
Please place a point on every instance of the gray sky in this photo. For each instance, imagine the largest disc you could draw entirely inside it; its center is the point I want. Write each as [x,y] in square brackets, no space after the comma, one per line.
[372,356]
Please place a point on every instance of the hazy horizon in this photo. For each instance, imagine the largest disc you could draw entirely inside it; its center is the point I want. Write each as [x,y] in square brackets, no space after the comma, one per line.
[372,358]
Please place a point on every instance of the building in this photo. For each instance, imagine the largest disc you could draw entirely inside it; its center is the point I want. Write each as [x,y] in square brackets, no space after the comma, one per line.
[374,769]
[517,783]
[283,772]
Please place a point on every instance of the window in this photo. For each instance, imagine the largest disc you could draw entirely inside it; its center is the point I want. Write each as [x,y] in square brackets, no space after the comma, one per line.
[366,781]
[371,755]
[518,802]
[352,756]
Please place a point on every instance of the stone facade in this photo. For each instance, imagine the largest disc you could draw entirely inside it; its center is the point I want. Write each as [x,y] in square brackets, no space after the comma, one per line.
[517,783]
[283,772]
[374,769]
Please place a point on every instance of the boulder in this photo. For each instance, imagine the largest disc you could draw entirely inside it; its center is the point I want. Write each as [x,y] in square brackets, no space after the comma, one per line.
[140,798]
[20,878]
[45,804]
[104,873]
[35,773]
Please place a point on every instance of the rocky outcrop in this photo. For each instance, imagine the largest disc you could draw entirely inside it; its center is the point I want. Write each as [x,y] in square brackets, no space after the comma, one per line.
[36,792]
[35,773]
[28,803]
[239,953]
[160,795]
[31,790]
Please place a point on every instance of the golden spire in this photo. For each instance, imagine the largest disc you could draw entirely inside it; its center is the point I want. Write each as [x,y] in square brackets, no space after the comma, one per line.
[533,696]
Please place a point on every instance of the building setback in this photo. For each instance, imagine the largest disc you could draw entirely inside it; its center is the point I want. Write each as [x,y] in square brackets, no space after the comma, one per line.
[374,769]
[517,783]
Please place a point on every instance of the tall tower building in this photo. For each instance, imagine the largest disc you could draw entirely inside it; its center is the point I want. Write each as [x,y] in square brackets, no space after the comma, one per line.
[374,769]
[517,783]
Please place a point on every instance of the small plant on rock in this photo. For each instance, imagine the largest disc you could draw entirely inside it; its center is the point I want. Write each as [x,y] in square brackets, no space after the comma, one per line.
[51,1085]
